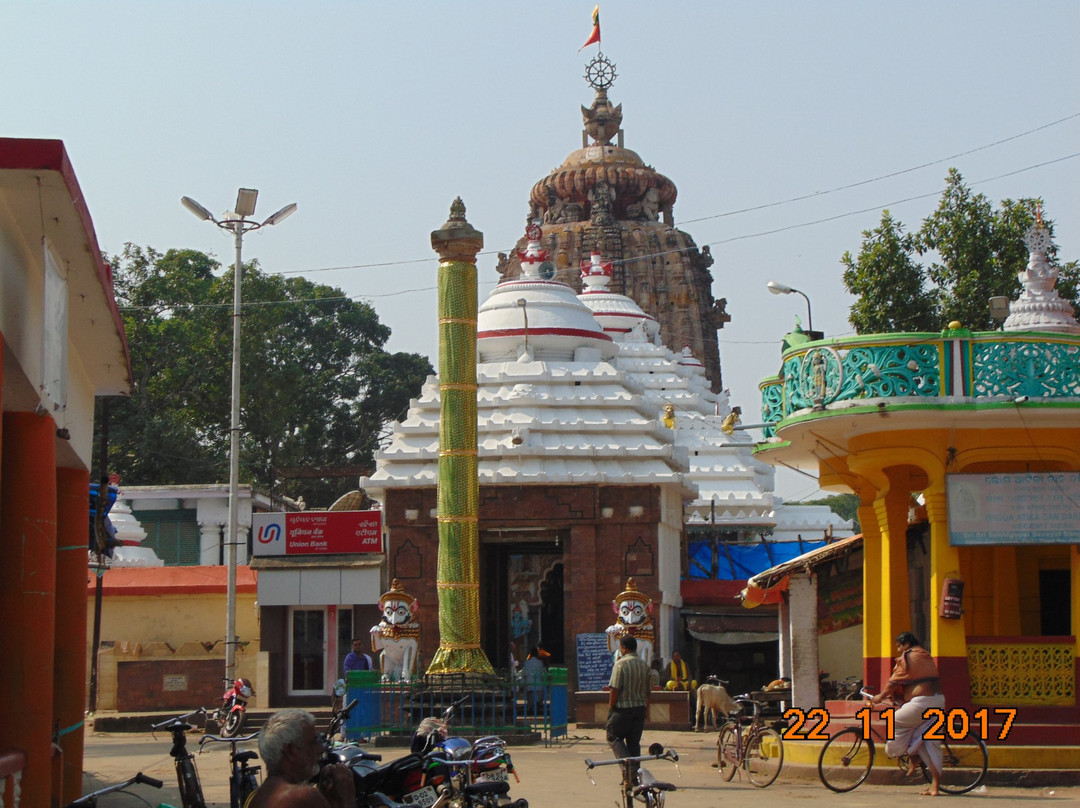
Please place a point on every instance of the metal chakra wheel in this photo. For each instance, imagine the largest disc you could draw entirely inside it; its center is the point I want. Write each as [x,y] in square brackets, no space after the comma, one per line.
[600,72]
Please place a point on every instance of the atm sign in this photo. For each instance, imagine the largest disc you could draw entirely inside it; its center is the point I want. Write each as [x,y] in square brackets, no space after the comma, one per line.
[317,533]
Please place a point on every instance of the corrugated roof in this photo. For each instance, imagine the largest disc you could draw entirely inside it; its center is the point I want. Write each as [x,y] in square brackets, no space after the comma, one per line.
[806,562]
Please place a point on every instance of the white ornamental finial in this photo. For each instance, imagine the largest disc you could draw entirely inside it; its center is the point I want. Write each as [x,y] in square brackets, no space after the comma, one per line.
[596,273]
[1039,307]
[534,261]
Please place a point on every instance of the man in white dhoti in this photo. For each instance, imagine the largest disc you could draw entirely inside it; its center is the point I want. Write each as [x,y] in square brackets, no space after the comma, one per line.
[915,686]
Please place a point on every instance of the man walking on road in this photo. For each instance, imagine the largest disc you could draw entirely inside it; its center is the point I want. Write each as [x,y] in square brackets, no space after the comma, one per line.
[628,699]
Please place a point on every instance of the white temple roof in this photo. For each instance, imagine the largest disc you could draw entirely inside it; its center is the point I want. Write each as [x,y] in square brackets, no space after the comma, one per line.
[584,402]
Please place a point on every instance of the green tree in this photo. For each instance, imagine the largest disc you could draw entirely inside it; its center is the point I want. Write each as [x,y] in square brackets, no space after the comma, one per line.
[317,386]
[971,251]
[889,283]
[846,506]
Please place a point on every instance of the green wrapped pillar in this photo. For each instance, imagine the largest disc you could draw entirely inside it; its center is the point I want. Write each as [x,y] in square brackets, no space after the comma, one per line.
[458,578]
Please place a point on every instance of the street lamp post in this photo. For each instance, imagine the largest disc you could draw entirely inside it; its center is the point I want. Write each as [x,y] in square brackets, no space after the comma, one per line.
[237,223]
[781,289]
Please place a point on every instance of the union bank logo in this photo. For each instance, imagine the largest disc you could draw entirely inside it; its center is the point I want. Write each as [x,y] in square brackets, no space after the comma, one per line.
[269,534]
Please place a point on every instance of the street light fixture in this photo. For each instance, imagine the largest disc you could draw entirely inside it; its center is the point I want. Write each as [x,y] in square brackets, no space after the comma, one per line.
[780,289]
[237,223]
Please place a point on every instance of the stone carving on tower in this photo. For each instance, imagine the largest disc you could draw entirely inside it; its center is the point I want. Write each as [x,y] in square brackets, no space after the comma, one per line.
[605,198]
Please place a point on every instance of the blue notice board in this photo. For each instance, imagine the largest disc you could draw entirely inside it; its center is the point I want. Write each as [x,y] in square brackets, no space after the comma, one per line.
[594,661]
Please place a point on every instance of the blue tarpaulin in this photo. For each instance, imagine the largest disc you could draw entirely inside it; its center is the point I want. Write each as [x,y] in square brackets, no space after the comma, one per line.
[739,562]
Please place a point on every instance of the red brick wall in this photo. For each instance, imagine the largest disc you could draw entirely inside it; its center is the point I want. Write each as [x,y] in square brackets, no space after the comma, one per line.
[602,551]
[168,684]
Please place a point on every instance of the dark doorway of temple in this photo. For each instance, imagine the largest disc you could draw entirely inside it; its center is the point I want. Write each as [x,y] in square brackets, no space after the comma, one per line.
[747,667]
[1055,603]
[521,600]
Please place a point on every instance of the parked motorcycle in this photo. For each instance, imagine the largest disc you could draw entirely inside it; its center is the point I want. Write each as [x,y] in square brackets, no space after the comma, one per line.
[375,783]
[463,773]
[232,711]
[439,770]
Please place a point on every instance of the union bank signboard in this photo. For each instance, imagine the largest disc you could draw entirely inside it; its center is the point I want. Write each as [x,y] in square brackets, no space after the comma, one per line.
[316,533]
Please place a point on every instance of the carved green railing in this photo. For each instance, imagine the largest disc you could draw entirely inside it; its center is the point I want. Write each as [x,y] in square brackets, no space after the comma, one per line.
[950,368]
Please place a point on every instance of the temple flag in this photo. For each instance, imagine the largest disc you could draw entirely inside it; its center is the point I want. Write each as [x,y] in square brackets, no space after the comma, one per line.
[595,35]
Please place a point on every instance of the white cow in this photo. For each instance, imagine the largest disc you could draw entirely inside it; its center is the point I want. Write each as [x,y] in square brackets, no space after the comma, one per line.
[712,699]
[397,635]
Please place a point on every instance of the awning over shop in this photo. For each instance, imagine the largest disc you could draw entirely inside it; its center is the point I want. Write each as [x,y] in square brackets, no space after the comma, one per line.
[732,629]
[769,586]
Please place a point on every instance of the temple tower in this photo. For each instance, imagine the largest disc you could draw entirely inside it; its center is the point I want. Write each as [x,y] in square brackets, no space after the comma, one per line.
[605,198]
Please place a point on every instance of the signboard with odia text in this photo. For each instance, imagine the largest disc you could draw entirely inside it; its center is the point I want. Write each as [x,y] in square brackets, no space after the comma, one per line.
[1014,508]
[317,532]
[594,661]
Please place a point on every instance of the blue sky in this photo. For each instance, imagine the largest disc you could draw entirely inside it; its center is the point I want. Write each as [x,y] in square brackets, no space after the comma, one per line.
[374,116]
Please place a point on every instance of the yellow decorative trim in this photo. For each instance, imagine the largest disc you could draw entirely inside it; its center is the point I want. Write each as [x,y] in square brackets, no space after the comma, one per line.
[463,520]
[456,585]
[461,386]
[462,320]
[457,452]
[460,646]
[1022,674]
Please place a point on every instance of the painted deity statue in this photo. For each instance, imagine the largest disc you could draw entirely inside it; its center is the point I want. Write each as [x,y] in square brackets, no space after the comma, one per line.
[397,635]
[633,615]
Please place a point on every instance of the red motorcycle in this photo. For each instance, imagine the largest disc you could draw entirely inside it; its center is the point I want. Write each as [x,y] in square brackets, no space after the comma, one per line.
[233,709]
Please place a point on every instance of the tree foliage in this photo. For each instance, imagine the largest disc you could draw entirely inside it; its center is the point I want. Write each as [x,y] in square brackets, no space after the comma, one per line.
[317,385]
[846,506]
[964,253]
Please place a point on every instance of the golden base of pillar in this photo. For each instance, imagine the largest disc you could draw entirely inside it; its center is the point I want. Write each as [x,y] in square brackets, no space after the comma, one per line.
[460,660]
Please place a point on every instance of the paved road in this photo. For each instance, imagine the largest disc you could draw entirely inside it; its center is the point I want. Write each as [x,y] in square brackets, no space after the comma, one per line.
[555,777]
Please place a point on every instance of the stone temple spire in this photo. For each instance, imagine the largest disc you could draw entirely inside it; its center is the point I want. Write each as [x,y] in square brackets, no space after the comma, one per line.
[1040,307]
[605,199]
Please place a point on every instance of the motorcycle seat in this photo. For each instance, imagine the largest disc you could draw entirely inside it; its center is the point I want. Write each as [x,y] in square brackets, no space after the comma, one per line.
[493,788]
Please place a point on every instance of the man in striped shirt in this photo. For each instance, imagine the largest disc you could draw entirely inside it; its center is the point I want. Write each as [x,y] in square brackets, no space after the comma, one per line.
[628,699]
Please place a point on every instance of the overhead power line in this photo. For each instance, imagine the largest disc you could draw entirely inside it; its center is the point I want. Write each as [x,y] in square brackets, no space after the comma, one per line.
[718,242]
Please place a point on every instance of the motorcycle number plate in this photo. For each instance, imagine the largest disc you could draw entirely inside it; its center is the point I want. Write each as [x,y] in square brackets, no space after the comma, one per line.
[492,776]
[424,798]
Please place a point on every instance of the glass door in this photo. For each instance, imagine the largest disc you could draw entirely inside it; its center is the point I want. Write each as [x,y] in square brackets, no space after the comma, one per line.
[307,651]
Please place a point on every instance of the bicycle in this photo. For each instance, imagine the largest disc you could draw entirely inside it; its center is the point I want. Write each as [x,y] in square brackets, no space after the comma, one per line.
[187,776]
[640,785]
[243,779]
[848,756]
[759,750]
[91,799]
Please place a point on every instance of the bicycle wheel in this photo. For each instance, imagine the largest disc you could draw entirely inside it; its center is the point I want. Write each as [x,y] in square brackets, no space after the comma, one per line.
[727,751]
[963,764]
[846,760]
[187,777]
[764,757]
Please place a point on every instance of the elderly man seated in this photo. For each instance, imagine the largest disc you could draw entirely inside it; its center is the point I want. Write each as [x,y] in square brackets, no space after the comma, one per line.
[290,747]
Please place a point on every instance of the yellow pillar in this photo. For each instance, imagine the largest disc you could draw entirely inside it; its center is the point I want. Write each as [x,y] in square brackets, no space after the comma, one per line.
[948,640]
[872,595]
[892,517]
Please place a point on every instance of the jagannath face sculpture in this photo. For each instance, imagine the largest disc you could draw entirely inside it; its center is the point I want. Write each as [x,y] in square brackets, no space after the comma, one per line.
[398,612]
[633,612]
